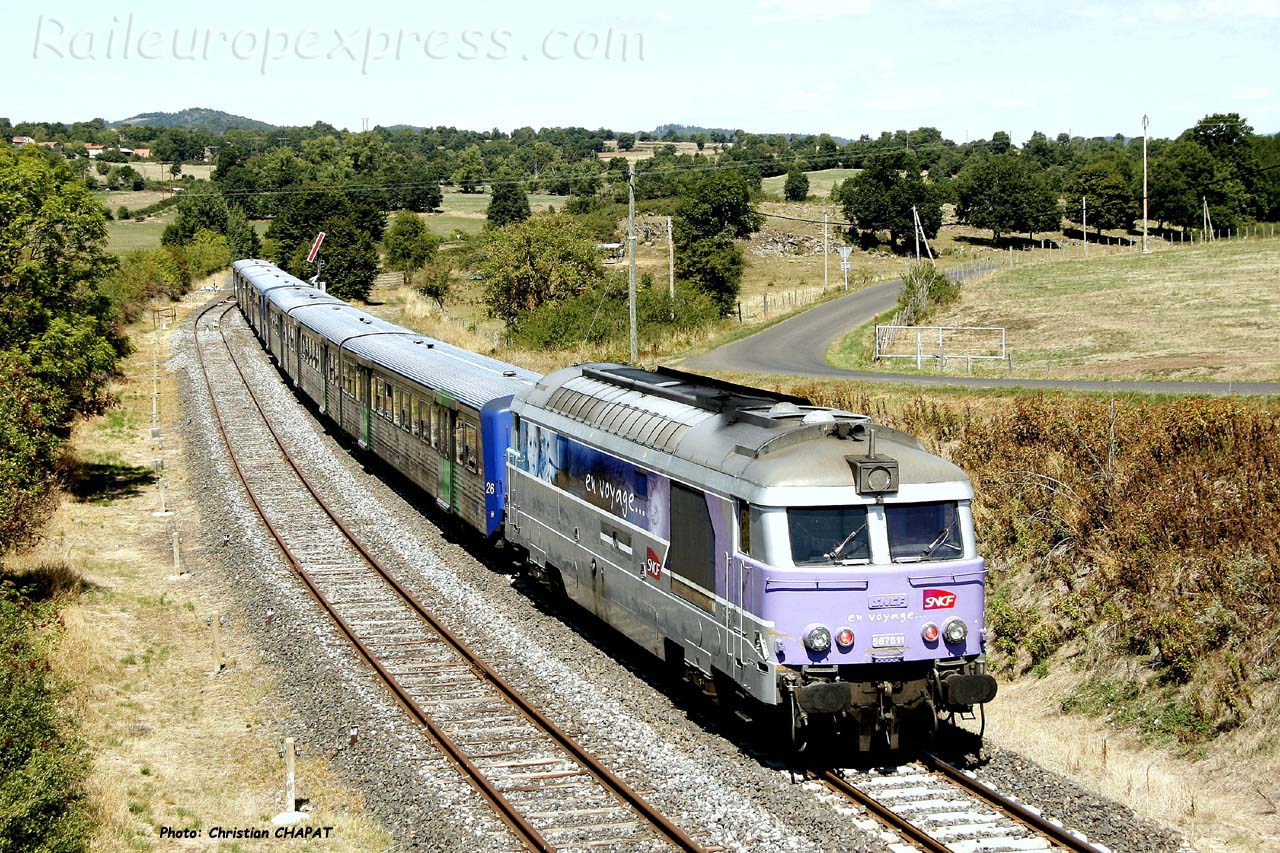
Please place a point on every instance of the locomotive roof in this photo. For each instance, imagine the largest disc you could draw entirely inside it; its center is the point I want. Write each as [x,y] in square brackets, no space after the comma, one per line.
[726,437]
[468,377]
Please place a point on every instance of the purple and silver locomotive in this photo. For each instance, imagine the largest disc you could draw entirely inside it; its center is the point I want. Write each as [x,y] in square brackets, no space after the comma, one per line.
[799,555]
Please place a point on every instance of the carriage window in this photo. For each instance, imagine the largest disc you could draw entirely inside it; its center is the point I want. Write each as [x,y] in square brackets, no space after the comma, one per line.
[471,438]
[920,532]
[828,534]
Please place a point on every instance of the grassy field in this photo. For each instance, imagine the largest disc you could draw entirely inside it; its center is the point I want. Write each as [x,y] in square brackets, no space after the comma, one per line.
[133,200]
[465,212]
[160,171]
[1203,312]
[128,235]
[820,182]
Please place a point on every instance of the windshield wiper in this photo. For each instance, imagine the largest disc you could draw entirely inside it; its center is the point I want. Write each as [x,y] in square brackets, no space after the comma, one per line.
[839,549]
[942,539]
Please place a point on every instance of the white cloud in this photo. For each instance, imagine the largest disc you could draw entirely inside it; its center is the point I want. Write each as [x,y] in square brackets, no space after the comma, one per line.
[790,11]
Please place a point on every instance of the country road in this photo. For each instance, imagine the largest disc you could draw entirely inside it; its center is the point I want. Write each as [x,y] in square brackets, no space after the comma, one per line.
[798,346]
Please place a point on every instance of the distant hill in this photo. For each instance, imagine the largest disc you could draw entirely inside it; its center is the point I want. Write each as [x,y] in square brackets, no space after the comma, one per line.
[690,130]
[196,118]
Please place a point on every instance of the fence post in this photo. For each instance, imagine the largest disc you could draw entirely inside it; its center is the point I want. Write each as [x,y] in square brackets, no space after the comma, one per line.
[919,350]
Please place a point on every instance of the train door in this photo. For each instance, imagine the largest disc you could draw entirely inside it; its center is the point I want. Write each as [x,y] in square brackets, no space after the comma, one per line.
[325,379]
[445,422]
[736,579]
[366,414]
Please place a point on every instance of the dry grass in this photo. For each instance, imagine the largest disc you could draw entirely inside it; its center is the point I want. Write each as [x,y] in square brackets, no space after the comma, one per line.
[1202,312]
[172,744]
[1208,797]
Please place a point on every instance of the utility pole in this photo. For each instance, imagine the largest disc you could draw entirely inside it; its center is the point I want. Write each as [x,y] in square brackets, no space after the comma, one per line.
[826,252]
[671,270]
[631,276]
[1145,123]
[1084,222]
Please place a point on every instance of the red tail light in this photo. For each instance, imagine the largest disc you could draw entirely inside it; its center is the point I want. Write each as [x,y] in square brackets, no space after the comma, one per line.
[844,638]
[930,633]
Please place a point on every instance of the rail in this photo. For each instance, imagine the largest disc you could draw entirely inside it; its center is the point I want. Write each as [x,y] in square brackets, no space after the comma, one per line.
[508,813]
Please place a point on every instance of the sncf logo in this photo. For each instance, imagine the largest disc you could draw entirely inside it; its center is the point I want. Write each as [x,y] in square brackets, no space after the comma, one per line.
[939,599]
[652,565]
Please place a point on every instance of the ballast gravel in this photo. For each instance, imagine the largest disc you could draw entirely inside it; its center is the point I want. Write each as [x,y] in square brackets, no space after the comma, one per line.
[723,782]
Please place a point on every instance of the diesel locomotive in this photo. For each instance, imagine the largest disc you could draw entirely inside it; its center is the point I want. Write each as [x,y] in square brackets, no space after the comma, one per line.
[802,556]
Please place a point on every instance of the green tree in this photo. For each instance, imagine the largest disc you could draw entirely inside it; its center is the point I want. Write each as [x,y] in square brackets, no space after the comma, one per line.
[715,209]
[1002,193]
[547,258]
[626,141]
[242,239]
[305,212]
[796,187]
[350,259]
[716,203]
[1112,203]
[880,198]
[509,202]
[201,206]
[408,243]
[469,171]
[58,339]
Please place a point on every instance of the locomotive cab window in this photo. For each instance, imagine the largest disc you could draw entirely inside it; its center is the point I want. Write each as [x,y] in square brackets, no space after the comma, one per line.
[924,532]
[829,534]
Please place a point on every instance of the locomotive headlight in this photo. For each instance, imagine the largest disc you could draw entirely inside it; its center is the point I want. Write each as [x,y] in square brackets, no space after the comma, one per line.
[818,639]
[929,632]
[844,638]
[955,631]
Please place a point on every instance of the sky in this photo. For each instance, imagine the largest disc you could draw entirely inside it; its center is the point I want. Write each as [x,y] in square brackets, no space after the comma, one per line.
[845,67]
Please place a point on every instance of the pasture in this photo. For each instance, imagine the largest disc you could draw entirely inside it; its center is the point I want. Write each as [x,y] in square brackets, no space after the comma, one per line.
[465,212]
[820,182]
[1203,312]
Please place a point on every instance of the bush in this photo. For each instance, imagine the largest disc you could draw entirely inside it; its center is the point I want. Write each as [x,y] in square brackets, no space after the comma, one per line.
[600,315]
[42,762]
[122,213]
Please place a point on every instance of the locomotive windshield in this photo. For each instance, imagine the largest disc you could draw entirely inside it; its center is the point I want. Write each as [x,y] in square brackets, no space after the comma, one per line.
[920,532]
[827,534]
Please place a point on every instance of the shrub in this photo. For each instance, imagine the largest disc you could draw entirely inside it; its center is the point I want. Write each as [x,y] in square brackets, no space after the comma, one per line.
[42,762]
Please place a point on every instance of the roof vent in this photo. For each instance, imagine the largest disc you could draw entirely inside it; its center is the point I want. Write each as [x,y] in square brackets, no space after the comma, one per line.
[417,340]
[782,410]
[508,373]
[821,416]
[431,346]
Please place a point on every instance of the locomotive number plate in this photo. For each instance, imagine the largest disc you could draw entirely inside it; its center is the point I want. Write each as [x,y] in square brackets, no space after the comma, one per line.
[884,602]
[888,641]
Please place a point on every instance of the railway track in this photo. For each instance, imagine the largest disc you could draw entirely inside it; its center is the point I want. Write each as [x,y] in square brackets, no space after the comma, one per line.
[940,809]
[548,789]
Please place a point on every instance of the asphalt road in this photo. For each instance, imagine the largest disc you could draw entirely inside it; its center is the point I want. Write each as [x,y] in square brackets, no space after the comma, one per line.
[798,347]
